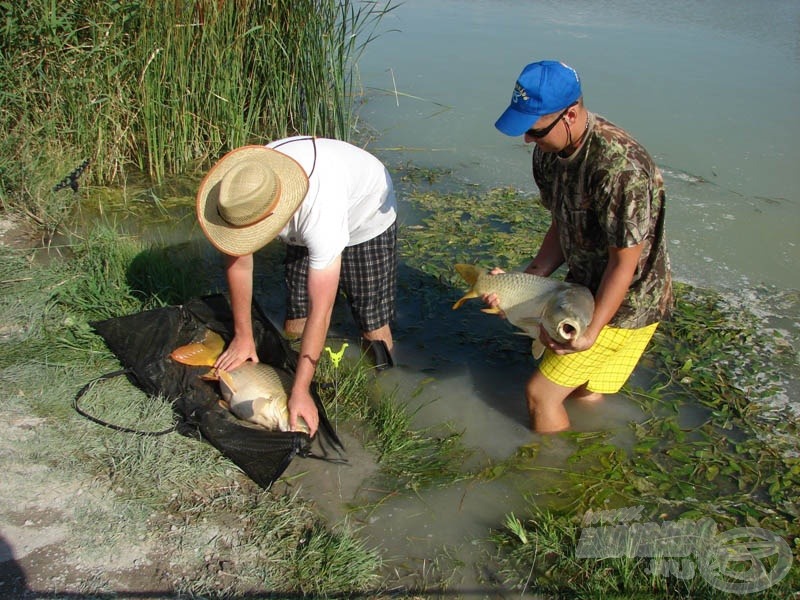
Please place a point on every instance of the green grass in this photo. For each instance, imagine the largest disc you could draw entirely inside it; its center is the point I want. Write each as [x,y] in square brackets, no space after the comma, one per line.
[149,484]
[410,459]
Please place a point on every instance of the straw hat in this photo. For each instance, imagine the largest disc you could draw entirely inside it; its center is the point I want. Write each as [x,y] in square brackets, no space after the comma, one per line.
[248,197]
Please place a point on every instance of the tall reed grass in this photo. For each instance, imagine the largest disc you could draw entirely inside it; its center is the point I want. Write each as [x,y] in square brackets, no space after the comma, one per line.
[163,86]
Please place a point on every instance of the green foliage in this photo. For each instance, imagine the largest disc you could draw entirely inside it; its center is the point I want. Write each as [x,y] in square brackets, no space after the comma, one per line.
[162,87]
[410,459]
[739,466]
[540,555]
[153,491]
[501,227]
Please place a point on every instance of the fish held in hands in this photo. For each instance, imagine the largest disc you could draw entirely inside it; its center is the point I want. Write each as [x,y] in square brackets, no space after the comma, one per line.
[258,393]
[528,301]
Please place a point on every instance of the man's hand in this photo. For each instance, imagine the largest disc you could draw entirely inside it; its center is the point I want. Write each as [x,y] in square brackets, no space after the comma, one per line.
[242,348]
[301,404]
[492,300]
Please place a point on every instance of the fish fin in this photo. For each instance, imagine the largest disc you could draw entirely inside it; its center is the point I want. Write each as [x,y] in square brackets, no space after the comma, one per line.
[212,375]
[227,379]
[469,273]
[214,342]
[200,354]
[470,294]
[537,349]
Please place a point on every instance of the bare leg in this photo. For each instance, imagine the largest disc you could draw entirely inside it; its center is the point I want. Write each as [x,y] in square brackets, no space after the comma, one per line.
[587,396]
[546,404]
[293,328]
[382,333]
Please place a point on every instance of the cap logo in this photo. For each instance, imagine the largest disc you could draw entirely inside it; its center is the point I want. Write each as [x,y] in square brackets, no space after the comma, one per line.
[574,72]
[519,93]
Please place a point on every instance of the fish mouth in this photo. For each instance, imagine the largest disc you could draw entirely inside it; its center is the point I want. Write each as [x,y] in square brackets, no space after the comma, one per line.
[568,330]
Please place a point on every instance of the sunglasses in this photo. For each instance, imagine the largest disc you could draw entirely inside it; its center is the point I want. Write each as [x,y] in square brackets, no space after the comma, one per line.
[540,133]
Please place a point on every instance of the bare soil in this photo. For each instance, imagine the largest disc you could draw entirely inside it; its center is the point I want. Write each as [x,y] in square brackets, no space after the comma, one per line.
[39,555]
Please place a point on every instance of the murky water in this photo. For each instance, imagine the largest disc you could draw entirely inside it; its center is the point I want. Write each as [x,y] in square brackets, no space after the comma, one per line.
[710,88]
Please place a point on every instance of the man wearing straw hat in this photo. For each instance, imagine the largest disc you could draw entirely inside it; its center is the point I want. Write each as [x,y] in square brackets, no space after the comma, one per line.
[333,205]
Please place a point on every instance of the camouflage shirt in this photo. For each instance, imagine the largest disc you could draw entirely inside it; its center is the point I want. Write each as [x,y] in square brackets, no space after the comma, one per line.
[610,194]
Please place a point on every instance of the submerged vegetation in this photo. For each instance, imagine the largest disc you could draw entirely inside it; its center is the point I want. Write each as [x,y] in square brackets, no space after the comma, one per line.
[713,450]
[709,450]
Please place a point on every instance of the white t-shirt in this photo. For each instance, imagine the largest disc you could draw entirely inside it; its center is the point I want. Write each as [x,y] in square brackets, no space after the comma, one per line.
[350,197]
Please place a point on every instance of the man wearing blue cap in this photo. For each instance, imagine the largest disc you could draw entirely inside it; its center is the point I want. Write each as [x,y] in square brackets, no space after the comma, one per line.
[606,200]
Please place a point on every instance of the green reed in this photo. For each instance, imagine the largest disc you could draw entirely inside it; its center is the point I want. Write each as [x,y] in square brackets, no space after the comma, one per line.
[163,87]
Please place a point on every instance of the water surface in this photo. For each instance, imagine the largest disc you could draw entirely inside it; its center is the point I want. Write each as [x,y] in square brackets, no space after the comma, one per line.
[710,88]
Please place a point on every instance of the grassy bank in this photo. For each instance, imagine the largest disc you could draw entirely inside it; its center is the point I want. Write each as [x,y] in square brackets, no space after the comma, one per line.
[711,448]
[226,536]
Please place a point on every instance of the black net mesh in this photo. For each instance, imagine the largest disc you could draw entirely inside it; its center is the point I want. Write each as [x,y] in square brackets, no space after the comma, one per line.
[143,342]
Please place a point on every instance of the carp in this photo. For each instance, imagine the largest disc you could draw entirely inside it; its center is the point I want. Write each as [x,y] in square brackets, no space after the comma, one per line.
[254,392]
[258,393]
[530,301]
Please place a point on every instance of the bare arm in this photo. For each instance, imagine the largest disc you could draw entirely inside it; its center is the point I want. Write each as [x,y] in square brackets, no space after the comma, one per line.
[239,272]
[549,257]
[322,287]
[614,285]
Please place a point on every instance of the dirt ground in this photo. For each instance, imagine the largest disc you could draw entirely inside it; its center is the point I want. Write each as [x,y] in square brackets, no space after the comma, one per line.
[39,557]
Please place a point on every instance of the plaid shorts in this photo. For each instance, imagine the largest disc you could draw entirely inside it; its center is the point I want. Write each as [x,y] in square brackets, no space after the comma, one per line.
[604,367]
[368,279]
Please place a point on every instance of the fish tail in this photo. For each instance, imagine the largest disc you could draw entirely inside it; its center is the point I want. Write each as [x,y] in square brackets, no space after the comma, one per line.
[200,354]
[470,274]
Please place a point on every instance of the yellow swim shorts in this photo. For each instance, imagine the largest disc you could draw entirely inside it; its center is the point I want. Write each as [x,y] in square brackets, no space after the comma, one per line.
[604,367]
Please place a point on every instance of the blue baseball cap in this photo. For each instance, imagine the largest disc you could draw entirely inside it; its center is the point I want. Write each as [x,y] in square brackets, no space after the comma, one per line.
[542,88]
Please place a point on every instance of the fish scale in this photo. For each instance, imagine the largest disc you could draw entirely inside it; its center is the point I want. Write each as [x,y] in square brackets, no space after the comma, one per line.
[259,393]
